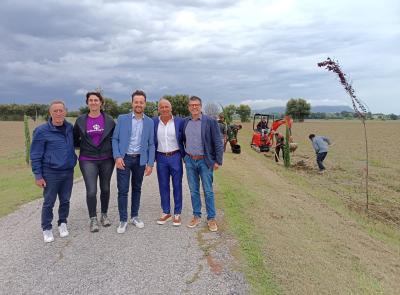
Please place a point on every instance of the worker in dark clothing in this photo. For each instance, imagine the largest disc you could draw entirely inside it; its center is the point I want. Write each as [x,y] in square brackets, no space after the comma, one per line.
[232,131]
[262,124]
[223,129]
[280,144]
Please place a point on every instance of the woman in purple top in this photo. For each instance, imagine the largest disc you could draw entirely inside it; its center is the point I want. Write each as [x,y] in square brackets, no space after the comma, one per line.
[92,134]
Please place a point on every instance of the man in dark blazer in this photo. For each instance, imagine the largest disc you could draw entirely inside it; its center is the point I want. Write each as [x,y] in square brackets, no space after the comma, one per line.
[168,141]
[133,151]
[204,151]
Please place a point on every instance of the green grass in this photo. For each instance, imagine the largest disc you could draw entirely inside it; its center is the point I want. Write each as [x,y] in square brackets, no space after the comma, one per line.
[17,184]
[367,283]
[236,197]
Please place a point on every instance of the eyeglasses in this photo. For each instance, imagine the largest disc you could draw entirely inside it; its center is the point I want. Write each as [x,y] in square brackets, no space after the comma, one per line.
[194,105]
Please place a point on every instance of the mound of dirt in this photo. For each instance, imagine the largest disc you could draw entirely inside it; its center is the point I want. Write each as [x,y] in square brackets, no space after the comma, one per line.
[302,165]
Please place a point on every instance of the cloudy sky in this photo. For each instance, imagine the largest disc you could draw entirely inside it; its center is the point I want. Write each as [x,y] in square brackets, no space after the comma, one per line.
[256,52]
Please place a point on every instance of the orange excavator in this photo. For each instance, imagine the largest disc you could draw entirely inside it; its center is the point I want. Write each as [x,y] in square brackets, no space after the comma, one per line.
[263,134]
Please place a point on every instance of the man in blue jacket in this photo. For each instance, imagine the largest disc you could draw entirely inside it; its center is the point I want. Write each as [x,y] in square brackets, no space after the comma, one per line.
[53,160]
[204,151]
[133,151]
[168,139]
[320,145]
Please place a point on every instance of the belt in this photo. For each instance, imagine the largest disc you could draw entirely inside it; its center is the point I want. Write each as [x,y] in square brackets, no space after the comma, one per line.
[196,157]
[169,154]
[133,155]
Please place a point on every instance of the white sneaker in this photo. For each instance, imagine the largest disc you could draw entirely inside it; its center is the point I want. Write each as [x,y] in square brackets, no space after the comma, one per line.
[63,230]
[137,222]
[48,236]
[122,227]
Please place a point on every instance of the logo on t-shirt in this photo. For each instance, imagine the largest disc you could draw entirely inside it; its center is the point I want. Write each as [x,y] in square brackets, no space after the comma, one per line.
[96,127]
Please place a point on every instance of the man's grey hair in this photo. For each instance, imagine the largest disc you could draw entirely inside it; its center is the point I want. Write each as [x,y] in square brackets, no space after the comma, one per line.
[162,98]
[57,101]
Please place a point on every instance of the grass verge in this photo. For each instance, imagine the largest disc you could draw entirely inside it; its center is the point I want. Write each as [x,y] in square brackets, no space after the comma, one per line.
[236,196]
[17,185]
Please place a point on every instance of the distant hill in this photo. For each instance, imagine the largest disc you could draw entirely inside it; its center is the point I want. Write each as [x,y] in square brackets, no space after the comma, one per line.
[314,109]
[331,109]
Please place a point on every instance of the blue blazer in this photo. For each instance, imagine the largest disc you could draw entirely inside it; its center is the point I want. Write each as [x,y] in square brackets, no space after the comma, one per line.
[178,122]
[211,137]
[122,135]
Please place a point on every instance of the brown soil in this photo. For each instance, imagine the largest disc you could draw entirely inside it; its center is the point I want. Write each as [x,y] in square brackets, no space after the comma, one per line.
[12,137]
[310,247]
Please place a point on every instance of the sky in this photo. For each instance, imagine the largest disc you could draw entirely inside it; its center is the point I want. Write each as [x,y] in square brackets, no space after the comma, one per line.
[259,53]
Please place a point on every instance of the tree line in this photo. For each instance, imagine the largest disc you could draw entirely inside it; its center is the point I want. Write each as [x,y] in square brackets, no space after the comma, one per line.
[16,112]
[299,109]
[179,102]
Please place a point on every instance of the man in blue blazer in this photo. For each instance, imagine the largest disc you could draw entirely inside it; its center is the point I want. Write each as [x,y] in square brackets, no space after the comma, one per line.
[133,151]
[204,151]
[168,140]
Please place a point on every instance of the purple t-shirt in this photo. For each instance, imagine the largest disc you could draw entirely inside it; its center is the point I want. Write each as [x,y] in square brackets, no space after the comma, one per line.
[95,130]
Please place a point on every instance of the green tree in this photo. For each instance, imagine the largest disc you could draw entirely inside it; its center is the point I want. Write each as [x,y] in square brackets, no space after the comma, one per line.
[111,107]
[179,104]
[125,107]
[35,110]
[286,148]
[151,109]
[27,139]
[84,110]
[229,111]
[298,109]
[244,112]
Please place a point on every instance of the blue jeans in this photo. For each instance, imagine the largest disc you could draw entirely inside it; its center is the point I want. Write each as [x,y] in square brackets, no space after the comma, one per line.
[132,165]
[56,184]
[196,170]
[170,167]
[91,171]
[320,159]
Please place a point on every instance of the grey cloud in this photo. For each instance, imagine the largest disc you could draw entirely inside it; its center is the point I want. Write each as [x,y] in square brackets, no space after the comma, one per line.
[69,46]
[184,3]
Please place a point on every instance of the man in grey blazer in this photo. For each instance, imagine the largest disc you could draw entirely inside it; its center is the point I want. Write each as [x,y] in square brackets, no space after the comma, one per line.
[133,151]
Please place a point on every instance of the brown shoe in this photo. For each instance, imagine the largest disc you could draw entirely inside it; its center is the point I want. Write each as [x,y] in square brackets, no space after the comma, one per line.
[176,220]
[212,225]
[164,218]
[194,222]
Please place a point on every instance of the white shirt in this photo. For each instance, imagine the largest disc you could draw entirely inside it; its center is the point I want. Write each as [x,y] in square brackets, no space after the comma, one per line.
[166,137]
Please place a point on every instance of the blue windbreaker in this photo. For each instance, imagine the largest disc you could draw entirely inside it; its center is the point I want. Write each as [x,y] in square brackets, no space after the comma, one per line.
[52,150]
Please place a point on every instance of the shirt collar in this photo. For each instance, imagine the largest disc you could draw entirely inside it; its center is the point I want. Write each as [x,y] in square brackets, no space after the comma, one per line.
[199,119]
[133,117]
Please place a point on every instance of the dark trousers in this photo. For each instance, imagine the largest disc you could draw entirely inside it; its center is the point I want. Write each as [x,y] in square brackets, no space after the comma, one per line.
[132,166]
[91,171]
[170,167]
[278,149]
[56,184]
[320,159]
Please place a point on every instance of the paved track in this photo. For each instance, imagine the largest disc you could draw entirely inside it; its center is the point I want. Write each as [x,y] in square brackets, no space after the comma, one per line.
[154,260]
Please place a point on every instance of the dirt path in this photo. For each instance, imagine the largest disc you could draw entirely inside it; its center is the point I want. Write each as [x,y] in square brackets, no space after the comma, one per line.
[309,247]
[154,260]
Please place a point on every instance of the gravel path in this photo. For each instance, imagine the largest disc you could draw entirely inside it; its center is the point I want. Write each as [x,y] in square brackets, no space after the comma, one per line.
[158,259]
